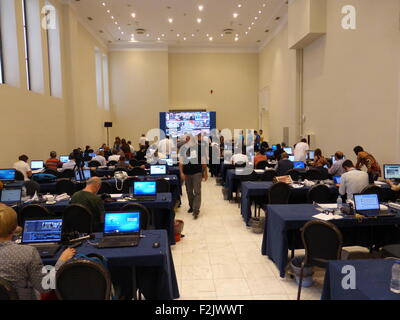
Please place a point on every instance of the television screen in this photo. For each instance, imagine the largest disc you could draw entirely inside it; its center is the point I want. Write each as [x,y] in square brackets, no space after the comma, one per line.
[176,124]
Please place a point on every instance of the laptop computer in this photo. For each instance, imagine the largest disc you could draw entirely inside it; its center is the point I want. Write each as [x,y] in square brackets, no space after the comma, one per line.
[37,164]
[310,154]
[86,175]
[391,171]
[64,159]
[288,150]
[7,175]
[121,229]
[158,169]
[337,179]
[144,190]
[368,205]
[44,235]
[11,197]
[299,165]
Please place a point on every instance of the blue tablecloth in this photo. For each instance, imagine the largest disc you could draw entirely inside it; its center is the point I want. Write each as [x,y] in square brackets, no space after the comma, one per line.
[250,190]
[164,214]
[283,223]
[156,273]
[372,281]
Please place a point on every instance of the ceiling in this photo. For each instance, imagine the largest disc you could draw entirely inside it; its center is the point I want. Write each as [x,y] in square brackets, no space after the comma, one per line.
[255,21]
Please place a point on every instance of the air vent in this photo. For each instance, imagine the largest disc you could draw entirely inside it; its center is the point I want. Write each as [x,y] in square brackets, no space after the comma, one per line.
[90,18]
[140,31]
[228,31]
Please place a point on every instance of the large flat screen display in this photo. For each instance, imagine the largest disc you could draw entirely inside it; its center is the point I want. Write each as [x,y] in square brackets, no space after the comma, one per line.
[176,124]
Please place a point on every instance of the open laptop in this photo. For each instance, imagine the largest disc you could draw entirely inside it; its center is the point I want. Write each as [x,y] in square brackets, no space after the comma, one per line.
[121,229]
[337,179]
[64,159]
[145,190]
[292,158]
[44,234]
[391,171]
[158,169]
[288,150]
[37,164]
[310,154]
[299,165]
[7,175]
[11,197]
[368,205]
[86,175]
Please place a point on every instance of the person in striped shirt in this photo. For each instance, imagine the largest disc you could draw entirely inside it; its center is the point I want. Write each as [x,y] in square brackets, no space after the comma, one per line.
[53,163]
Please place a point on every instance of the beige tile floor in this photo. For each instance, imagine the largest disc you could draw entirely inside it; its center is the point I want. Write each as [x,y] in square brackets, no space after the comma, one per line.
[220,258]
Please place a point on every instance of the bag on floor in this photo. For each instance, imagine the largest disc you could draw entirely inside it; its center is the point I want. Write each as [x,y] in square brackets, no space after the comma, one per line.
[257,225]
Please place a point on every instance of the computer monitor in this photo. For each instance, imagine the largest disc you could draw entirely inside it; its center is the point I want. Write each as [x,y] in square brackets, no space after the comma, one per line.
[121,223]
[42,230]
[337,179]
[269,154]
[274,147]
[299,165]
[86,175]
[363,202]
[391,171]
[288,150]
[310,154]
[158,169]
[144,188]
[37,164]
[92,155]
[169,162]
[64,159]
[291,158]
[7,174]
[11,195]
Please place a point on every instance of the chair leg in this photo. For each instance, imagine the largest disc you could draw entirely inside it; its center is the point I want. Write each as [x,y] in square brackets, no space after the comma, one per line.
[292,254]
[300,281]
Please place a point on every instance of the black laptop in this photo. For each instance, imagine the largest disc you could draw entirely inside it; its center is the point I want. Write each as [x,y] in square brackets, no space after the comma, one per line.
[368,205]
[144,190]
[11,196]
[121,229]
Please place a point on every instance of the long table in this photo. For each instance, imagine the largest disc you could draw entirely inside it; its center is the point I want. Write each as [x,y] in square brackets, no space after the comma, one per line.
[283,224]
[154,266]
[372,280]
[164,213]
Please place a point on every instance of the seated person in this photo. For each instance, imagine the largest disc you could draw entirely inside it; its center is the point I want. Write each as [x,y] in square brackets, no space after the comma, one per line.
[319,159]
[241,157]
[71,164]
[88,197]
[366,159]
[53,163]
[260,156]
[121,163]
[100,159]
[115,156]
[21,265]
[22,166]
[278,152]
[283,165]
[141,154]
[353,180]
[337,168]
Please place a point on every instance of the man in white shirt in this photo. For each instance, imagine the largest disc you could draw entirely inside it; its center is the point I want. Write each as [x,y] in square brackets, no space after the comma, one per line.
[165,146]
[352,181]
[239,158]
[115,156]
[70,165]
[300,152]
[100,159]
[142,140]
[22,166]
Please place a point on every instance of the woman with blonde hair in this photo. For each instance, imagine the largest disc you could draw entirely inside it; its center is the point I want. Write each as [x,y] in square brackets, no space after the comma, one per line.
[21,265]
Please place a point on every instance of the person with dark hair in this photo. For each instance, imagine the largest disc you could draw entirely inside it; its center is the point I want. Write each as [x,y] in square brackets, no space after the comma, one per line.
[141,154]
[122,163]
[117,144]
[300,151]
[265,145]
[115,156]
[283,165]
[22,166]
[53,163]
[100,158]
[337,168]
[278,152]
[319,159]
[366,159]
[353,180]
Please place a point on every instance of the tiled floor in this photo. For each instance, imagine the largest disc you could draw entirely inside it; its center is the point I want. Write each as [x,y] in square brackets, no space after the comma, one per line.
[220,258]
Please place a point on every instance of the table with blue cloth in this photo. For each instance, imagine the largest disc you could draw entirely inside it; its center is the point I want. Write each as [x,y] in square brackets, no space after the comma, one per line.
[258,189]
[164,214]
[372,280]
[283,224]
[154,266]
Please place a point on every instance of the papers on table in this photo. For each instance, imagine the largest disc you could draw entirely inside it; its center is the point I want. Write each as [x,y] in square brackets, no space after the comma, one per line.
[116,195]
[327,217]
[297,186]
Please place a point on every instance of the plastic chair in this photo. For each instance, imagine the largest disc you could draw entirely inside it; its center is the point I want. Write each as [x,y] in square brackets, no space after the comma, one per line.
[163,186]
[262,165]
[33,211]
[314,174]
[268,175]
[279,193]
[94,164]
[19,176]
[373,189]
[105,188]
[32,187]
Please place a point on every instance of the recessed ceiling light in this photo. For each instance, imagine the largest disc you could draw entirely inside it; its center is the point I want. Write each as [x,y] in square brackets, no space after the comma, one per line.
[158,39]
[163,35]
[112,17]
[192,34]
[247,32]
[184,39]
[201,7]
[252,23]
[222,34]
[239,5]
[122,32]
[259,11]
[249,28]
[133,15]
[211,38]
[237,39]
[104,4]
[147,35]
[108,11]
[235,15]
[264,5]
[207,35]
[199,20]
[119,28]
[178,35]
[255,18]
[116,22]
[170,20]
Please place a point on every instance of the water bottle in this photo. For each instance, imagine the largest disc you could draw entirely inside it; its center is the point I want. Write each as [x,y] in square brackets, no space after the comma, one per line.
[395,282]
[339,203]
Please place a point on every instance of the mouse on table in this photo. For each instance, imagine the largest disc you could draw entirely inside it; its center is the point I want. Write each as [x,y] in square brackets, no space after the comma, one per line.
[156,245]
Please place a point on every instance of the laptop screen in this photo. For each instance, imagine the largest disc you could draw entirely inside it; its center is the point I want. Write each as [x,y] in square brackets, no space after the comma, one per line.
[121,222]
[86,173]
[337,179]
[288,150]
[392,171]
[144,188]
[64,159]
[299,165]
[269,153]
[158,169]
[274,147]
[310,154]
[7,174]
[11,195]
[37,164]
[291,158]
[39,231]
[366,202]
[92,155]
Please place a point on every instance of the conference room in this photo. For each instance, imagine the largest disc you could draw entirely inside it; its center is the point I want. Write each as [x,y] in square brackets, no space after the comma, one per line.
[199,150]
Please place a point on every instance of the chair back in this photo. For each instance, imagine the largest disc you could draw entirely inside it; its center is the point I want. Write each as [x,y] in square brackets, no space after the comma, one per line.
[294,174]
[137,171]
[32,211]
[112,163]
[144,213]
[65,186]
[77,218]
[127,185]
[314,174]
[319,193]
[7,291]
[105,188]
[163,186]
[19,176]
[279,193]
[66,174]
[373,189]
[83,280]
[32,187]
[94,164]
[141,163]
[133,162]
[262,165]
[322,241]
[240,164]
[253,176]
[268,175]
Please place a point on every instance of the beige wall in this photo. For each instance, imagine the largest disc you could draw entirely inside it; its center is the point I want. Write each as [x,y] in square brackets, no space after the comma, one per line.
[232,76]
[278,75]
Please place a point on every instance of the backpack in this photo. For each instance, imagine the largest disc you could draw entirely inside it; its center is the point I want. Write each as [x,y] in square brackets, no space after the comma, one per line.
[44,177]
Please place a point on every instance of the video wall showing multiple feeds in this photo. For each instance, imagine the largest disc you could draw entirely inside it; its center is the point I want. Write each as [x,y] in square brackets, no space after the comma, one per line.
[176,124]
